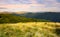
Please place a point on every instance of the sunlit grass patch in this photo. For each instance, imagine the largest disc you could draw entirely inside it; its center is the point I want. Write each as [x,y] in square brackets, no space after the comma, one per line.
[30,29]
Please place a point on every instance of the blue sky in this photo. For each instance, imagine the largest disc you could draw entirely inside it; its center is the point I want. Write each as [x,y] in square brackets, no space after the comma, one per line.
[30,5]
[58,1]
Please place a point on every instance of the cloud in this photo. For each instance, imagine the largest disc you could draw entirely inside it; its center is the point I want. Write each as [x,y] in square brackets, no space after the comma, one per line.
[16,1]
[2,8]
[24,7]
[30,5]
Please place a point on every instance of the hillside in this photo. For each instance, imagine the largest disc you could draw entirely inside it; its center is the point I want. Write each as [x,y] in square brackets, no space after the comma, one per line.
[21,25]
[12,18]
[30,29]
[52,16]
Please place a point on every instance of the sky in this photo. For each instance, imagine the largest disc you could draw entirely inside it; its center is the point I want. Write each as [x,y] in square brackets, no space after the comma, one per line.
[30,5]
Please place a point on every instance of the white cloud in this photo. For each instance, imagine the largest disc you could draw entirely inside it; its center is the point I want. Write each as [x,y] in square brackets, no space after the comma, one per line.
[16,5]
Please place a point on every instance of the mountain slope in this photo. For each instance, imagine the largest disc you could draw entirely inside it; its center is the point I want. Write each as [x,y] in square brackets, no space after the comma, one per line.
[53,16]
[12,18]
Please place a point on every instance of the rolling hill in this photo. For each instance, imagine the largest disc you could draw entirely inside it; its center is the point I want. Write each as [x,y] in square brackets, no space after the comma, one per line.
[29,25]
[12,18]
[52,16]
[30,29]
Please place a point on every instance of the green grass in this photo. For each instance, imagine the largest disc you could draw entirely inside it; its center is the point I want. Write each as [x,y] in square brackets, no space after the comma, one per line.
[30,29]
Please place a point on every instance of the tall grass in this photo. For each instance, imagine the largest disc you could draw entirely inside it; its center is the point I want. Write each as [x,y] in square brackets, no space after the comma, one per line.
[33,29]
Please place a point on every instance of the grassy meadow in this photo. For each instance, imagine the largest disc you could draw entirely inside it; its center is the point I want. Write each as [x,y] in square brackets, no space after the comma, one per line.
[30,29]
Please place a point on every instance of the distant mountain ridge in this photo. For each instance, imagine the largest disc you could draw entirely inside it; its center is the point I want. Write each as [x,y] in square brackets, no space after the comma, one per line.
[53,16]
[12,18]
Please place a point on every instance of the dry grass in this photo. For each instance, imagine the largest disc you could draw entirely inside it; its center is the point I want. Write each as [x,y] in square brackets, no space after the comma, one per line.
[30,29]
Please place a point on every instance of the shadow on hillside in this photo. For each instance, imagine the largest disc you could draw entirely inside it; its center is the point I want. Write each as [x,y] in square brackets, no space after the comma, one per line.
[13,22]
[24,22]
[19,22]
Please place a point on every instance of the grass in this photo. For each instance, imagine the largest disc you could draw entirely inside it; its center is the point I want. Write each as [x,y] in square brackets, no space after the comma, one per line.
[30,29]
